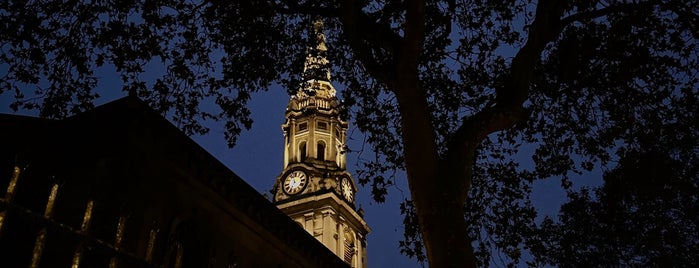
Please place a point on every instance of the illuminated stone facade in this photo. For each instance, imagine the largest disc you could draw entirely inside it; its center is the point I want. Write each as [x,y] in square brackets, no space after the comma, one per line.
[314,187]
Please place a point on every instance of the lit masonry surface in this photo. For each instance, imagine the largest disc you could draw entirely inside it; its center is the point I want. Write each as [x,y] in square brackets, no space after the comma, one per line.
[314,187]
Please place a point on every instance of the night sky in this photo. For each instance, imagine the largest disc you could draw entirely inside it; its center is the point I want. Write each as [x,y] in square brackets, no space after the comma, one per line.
[257,158]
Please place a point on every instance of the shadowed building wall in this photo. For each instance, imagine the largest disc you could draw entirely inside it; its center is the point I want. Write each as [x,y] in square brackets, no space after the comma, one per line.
[119,186]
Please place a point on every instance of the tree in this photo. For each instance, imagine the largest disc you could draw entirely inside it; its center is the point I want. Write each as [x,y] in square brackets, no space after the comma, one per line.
[455,87]
[645,214]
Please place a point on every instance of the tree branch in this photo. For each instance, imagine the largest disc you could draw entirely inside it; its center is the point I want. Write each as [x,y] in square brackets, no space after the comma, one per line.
[379,34]
[508,109]
[293,7]
[414,37]
[625,7]
[364,35]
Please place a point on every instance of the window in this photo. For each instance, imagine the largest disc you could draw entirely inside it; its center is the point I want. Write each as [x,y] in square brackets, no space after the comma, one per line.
[321,151]
[303,126]
[322,126]
[302,151]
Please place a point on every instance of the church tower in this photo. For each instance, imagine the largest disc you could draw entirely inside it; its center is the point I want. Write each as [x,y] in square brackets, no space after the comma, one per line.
[314,187]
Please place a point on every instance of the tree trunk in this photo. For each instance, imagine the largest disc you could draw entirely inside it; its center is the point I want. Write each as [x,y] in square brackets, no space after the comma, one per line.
[438,187]
[440,210]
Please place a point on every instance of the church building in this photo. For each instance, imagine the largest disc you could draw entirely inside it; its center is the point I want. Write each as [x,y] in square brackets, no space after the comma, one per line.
[120,186]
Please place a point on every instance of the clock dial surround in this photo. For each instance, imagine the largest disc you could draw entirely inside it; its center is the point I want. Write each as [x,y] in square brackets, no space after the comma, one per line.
[347,192]
[295,182]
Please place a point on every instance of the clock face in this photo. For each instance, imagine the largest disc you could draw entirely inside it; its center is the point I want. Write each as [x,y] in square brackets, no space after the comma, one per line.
[347,192]
[295,182]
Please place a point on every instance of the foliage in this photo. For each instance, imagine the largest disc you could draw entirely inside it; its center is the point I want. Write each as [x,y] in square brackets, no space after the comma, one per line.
[453,92]
[645,214]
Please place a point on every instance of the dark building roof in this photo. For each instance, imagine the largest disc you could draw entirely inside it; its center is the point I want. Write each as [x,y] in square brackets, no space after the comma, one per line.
[136,165]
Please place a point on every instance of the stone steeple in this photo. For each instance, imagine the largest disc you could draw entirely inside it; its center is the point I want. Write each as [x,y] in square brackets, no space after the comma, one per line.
[316,69]
[314,187]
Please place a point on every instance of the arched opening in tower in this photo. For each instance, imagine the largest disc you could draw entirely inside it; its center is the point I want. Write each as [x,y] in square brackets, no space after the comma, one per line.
[321,151]
[302,152]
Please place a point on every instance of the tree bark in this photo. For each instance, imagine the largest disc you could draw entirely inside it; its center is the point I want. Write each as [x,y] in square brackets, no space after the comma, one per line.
[441,217]
[438,187]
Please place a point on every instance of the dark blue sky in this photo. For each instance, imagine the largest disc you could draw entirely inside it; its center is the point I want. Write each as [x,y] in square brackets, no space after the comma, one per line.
[257,158]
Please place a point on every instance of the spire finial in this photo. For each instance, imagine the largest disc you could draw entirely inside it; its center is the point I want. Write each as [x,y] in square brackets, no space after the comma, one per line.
[318,26]
[319,42]
[317,66]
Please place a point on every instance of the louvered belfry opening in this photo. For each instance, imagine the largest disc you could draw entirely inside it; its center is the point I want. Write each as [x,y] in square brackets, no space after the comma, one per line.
[349,251]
